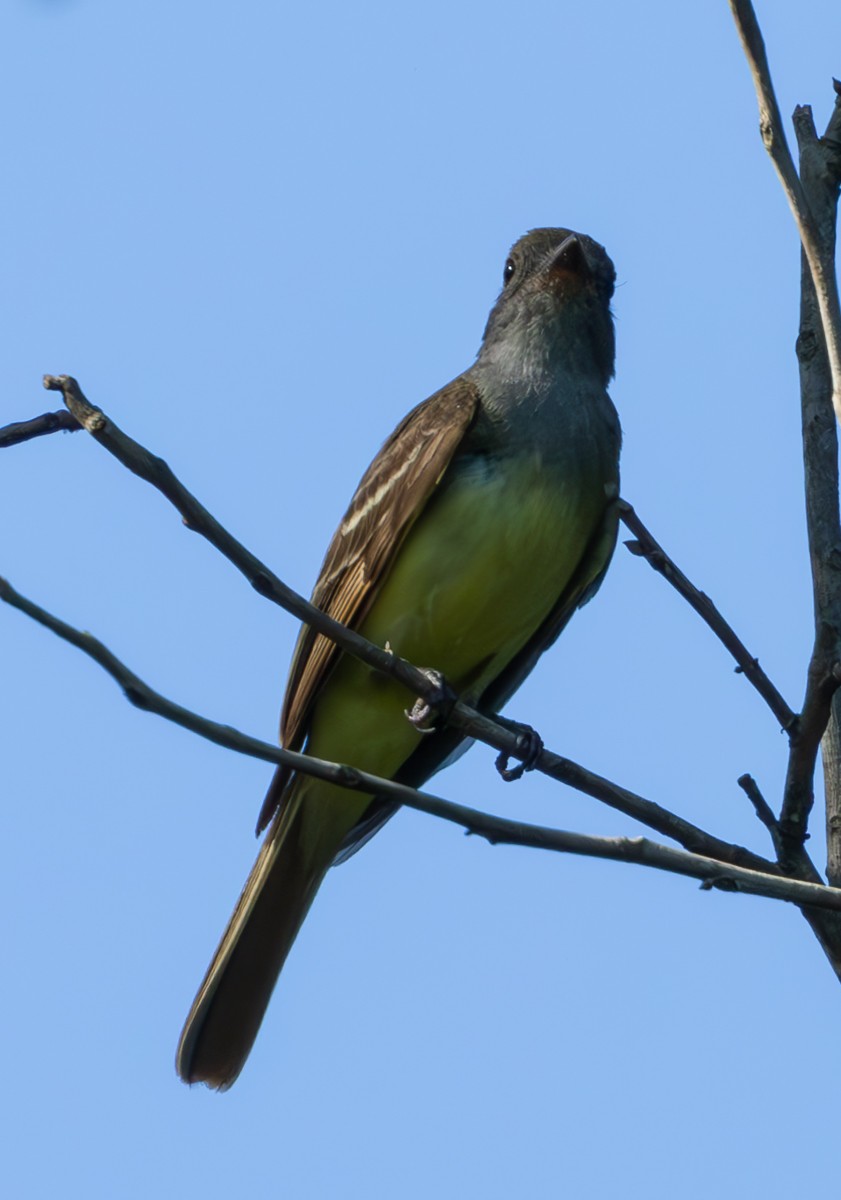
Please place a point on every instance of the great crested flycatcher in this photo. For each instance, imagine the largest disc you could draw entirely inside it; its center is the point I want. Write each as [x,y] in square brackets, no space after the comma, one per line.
[485,520]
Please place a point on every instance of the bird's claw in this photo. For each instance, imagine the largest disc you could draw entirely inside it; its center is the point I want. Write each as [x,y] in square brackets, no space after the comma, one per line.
[529,749]
[428,714]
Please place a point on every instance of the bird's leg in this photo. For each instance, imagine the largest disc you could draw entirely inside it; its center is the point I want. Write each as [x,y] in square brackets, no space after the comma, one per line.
[429,714]
[529,749]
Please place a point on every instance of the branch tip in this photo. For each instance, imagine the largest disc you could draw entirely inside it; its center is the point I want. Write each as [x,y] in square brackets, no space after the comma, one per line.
[761,806]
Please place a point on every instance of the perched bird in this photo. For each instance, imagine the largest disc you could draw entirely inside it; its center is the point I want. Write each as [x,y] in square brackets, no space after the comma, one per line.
[485,520]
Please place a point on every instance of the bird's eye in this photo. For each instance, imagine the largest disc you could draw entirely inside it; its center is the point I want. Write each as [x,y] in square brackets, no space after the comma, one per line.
[508,273]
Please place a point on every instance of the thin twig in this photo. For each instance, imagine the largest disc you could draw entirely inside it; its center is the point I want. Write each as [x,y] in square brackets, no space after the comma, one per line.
[761,806]
[771,127]
[662,820]
[496,830]
[647,547]
[24,431]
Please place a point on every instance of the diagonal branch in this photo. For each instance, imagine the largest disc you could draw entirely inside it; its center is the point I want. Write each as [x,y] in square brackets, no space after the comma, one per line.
[564,770]
[821,266]
[647,547]
[712,873]
[154,470]
[467,720]
[761,806]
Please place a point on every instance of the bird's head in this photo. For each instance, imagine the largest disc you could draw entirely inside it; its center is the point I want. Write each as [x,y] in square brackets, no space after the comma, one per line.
[554,306]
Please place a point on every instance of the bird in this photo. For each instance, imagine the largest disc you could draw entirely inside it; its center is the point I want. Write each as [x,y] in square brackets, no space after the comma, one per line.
[487,518]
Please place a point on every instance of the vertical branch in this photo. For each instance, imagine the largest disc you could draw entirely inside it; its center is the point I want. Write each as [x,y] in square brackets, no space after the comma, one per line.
[820,174]
[831,751]
[812,197]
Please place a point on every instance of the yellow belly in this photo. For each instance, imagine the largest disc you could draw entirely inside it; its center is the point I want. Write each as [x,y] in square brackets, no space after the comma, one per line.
[484,565]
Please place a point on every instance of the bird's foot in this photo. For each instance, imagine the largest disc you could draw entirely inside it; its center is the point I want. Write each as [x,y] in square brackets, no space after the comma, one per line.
[529,749]
[428,714]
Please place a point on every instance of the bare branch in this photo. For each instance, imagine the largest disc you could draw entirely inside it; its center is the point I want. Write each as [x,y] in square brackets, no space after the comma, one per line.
[663,820]
[497,830]
[820,173]
[648,854]
[761,806]
[799,793]
[820,339]
[24,431]
[648,548]
[771,127]
[195,516]
[468,720]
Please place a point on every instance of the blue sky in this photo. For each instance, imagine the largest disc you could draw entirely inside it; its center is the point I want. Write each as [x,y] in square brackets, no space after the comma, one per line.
[257,235]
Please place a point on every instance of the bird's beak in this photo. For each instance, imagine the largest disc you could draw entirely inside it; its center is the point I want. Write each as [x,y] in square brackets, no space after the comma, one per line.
[570,257]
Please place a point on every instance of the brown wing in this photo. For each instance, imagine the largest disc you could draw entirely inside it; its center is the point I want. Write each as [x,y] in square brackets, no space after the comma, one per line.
[390,496]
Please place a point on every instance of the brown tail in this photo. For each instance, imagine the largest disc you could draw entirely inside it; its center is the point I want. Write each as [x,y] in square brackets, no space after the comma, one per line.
[226,1014]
